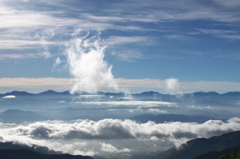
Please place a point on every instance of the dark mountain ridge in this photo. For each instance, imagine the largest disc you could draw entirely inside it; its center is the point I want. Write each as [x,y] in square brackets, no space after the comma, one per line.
[28,154]
[218,154]
[199,146]
[13,146]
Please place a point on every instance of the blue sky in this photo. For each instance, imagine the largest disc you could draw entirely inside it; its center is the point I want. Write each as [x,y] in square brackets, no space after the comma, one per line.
[148,42]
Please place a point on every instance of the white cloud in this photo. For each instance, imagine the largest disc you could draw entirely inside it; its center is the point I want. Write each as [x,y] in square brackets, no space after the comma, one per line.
[91,96]
[152,110]
[135,110]
[128,55]
[111,148]
[20,56]
[57,62]
[127,39]
[78,137]
[47,35]
[231,3]
[17,44]
[61,102]
[86,63]
[83,153]
[126,98]
[134,103]
[173,85]
[117,129]
[20,21]
[9,96]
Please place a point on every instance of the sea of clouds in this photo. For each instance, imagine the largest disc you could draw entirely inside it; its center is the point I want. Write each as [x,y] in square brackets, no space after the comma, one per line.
[79,136]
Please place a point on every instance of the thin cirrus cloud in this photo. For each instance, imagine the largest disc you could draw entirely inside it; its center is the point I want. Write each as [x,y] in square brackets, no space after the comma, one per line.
[20,56]
[129,55]
[51,18]
[21,21]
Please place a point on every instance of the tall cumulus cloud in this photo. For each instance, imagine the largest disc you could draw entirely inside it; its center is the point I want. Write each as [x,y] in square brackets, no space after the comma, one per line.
[86,63]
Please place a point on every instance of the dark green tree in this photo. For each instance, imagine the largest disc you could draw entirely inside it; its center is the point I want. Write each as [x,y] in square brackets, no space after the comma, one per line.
[226,156]
[238,153]
[233,155]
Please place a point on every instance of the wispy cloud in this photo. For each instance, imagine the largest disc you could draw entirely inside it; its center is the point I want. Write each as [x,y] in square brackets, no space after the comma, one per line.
[20,23]
[226,34]
[128,55]
[57,62]
[20,56]
[128,39]
[179,37]
[134,103]
[232,3]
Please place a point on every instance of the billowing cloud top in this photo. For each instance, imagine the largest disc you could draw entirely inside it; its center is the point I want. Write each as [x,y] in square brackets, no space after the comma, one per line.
[118,129]
[83,134]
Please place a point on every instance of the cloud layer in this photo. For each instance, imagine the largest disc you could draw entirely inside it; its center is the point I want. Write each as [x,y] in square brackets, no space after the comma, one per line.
[79,136]
[119,129]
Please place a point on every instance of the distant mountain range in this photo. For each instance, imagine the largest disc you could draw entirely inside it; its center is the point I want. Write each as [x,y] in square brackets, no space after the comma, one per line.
[15,115]
[23,93]
[161,118]
[151,93]
[197,98]
[200,146]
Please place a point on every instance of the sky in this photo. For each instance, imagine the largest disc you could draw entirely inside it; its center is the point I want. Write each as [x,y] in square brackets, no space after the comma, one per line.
[132,46]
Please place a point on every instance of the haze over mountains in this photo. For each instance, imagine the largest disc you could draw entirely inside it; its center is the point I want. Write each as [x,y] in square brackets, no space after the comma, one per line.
[115,125]
[194,104]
